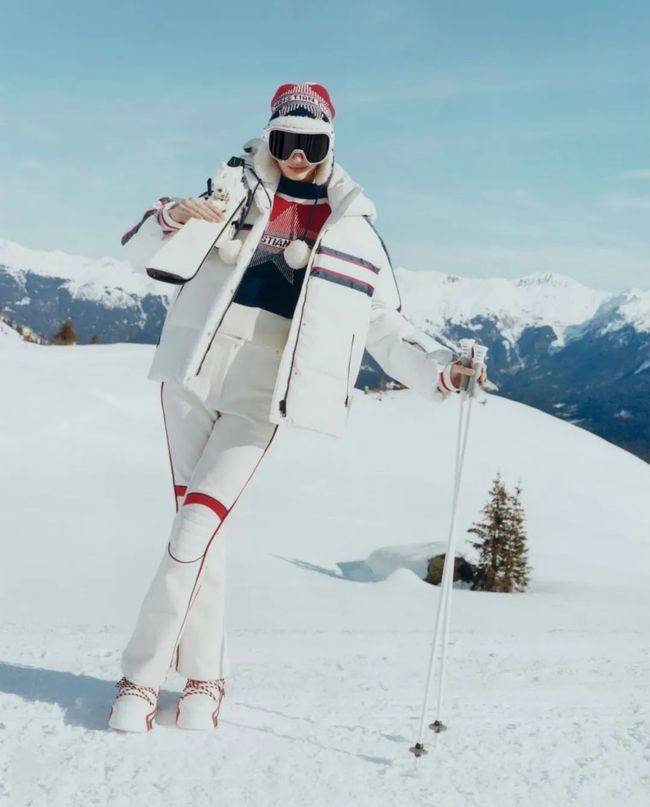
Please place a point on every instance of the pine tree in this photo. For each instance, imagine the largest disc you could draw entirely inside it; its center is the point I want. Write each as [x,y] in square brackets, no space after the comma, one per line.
[516,545]
[66,334]
[501,542]
[489,533]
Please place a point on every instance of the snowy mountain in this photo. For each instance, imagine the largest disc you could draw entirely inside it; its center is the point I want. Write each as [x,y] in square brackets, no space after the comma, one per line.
[105,297]
[511,306]
[549,337]
[630,309]
[601,377]
[547,692]
[572,351]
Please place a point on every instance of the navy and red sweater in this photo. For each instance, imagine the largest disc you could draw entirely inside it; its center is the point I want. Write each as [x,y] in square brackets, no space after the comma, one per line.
[299,211]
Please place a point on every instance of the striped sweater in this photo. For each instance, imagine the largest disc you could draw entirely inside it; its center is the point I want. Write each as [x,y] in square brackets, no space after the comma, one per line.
[299,211]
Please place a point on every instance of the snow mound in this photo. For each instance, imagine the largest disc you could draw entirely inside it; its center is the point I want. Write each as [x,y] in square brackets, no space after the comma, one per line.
[415,557]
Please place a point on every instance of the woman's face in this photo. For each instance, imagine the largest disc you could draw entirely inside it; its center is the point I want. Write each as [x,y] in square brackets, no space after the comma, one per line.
[297,167]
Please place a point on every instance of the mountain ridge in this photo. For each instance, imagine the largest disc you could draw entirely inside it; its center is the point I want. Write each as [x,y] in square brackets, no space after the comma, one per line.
[579,353]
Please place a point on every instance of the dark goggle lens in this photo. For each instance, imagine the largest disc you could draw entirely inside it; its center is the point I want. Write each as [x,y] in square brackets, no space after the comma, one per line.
[283,144]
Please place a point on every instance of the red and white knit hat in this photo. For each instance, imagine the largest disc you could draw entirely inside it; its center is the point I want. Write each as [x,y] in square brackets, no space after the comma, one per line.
[303,107]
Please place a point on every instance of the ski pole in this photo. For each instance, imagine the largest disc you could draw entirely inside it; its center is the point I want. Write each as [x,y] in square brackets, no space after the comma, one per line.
[470,355]
[465,358]
[478,360]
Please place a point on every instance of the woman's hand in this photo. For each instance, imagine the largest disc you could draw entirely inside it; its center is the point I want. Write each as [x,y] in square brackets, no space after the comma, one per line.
[459,370]
[195,208]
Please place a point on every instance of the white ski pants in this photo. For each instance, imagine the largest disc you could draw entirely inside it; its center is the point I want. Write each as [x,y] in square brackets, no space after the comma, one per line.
[218,432]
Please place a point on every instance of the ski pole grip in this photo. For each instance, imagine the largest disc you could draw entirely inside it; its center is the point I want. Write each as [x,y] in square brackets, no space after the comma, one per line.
[466,351]
[480,352]
[478,360]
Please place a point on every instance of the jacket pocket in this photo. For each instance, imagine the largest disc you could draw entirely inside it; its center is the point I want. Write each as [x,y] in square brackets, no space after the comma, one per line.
[349,381]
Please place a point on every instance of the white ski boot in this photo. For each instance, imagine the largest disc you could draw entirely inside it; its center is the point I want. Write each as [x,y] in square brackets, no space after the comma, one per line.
[134,707]
[199,704]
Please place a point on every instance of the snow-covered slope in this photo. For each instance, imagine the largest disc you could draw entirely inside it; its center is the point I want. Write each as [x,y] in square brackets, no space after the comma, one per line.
[9,338]
[547,691]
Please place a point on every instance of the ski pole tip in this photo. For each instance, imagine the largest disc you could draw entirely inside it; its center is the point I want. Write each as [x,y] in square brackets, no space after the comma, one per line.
[437,726]
[418,750]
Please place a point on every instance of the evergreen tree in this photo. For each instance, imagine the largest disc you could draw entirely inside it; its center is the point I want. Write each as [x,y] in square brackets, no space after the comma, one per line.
[501,542]
[65,335]
[94,340]
[516,569]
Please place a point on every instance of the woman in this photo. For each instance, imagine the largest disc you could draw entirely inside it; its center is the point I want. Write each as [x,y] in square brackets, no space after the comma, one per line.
[277,338]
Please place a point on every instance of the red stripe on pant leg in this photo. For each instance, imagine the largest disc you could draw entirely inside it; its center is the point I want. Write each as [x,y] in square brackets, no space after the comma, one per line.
[180,490]
[212,537]
[202,498]
[169,450]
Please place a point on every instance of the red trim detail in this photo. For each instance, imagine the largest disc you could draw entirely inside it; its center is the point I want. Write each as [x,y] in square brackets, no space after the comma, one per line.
[167,222]
[180,490]
[169,451]
[202,498]
[205,554]
[149,718]
[149,212]
[442,382]
[344,256]
[343,274]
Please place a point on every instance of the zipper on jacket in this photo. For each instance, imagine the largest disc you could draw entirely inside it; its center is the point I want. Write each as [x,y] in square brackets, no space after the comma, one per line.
[347,378]
[239,282]
[282,406]
[283,403]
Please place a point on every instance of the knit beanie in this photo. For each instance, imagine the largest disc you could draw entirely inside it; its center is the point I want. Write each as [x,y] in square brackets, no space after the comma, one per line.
[303,107]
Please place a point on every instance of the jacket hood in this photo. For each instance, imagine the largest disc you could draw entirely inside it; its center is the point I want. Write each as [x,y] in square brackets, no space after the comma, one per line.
[345,196]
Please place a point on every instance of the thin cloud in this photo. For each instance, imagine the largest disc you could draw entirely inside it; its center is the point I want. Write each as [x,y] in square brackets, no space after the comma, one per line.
[636,173]
[626,202]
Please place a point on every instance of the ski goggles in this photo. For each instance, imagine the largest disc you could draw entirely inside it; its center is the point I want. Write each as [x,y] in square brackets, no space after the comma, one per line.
[315,147]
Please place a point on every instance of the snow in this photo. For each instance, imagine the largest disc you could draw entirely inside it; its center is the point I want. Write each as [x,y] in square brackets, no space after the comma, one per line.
[386,560]
[547,693]
[105,280]
[9,338]
[629,308]
[535,300]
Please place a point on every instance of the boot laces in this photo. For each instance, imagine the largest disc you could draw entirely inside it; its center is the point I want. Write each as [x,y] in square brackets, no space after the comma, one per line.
[126,687]
[213,689]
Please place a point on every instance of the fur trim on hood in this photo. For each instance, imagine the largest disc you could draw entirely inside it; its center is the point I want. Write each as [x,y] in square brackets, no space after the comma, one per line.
[346,197]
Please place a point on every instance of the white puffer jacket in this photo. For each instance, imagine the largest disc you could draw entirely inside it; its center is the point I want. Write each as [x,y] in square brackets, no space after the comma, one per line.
[349,300]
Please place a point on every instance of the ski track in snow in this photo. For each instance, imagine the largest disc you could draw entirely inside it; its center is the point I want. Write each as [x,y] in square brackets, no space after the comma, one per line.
[547,692]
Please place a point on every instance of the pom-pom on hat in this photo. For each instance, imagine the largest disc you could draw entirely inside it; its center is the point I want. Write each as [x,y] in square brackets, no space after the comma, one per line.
[303,107]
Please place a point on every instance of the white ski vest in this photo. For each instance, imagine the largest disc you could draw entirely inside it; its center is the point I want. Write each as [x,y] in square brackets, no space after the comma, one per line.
[349,301]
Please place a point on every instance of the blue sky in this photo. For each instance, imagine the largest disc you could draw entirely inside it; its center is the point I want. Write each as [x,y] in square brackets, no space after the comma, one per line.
[495,138]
